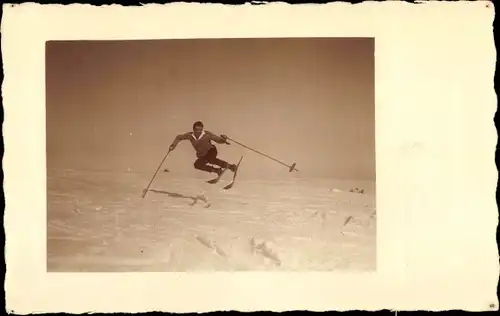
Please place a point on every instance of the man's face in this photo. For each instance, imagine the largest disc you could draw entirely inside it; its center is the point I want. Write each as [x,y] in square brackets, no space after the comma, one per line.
[197,130]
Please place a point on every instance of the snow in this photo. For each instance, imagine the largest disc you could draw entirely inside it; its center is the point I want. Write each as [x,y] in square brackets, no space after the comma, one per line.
[99,222]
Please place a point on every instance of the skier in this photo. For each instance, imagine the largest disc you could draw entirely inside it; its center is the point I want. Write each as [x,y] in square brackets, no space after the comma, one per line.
[206,152]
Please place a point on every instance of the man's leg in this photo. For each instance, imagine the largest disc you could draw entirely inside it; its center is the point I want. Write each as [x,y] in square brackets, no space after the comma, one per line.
[201,164]
[212,159]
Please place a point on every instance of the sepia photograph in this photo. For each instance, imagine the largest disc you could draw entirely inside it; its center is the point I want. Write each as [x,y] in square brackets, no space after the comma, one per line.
[223,154]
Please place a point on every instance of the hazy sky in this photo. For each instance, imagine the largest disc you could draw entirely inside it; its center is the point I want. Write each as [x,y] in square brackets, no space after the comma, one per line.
[118,105]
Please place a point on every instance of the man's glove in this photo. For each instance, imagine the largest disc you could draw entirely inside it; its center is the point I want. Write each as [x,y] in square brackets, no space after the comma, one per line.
[224,137]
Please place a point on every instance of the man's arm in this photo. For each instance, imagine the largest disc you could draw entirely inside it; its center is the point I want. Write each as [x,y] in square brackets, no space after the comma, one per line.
[179,138]
[217,139]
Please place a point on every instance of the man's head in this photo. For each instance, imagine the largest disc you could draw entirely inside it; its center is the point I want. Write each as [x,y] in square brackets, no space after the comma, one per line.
[197,128]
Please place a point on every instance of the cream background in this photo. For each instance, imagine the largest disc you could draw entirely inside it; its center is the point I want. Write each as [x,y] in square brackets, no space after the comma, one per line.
[435,169]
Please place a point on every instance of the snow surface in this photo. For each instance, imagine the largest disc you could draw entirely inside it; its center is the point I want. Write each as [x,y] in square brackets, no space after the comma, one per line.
[98,221]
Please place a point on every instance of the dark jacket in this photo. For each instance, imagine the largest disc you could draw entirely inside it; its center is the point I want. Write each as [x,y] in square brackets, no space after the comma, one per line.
[201,145]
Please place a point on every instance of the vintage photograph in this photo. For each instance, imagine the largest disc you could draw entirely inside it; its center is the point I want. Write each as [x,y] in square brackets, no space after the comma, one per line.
[224,154]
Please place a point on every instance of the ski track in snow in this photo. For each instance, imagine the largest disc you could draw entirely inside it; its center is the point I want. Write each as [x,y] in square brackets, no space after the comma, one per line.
[97,221]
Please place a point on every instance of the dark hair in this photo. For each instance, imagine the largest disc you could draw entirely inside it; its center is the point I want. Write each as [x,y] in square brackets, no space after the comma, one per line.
[197,124]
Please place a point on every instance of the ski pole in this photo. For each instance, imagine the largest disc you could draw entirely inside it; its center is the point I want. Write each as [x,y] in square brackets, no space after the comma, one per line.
[161,163]
[291,168]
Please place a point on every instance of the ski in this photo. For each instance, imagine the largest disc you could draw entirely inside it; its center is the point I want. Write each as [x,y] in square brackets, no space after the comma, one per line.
[230,185]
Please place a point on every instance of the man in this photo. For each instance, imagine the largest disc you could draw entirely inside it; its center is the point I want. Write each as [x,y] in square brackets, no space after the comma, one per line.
[206,152]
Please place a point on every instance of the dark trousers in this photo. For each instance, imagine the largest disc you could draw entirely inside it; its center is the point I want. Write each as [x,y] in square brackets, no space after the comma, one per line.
[210,158]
